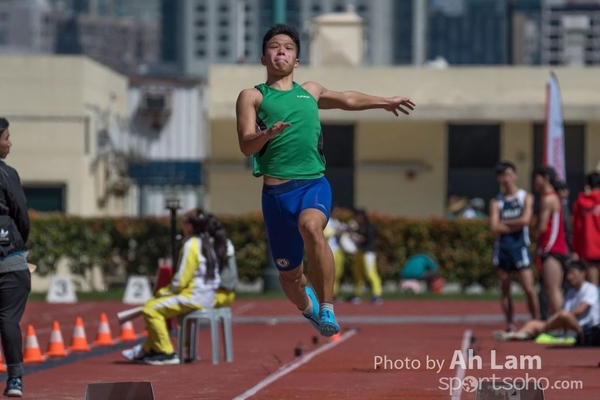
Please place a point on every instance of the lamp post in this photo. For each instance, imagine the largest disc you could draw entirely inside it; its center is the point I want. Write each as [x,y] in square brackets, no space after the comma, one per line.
[172,203]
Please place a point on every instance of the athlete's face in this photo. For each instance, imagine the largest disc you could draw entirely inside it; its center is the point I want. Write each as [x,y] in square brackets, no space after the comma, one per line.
[186,227]
[575,277]
[5,143]
[281,55]
[507,178]
[538,183]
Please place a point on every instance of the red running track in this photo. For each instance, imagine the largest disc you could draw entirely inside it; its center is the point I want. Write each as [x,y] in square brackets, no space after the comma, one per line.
[344,371]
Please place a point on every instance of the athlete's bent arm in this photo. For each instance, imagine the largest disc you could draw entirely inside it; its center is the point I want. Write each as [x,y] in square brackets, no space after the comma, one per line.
[497,227]
[356,101]
[581,309]
[525,218]
[251,140]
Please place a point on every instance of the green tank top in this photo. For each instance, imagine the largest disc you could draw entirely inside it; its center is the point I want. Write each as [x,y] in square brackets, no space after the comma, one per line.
[297,152]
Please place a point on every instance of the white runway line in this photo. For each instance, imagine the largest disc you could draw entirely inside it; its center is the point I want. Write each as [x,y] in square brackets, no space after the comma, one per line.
[286,369]
[243,308]
[460,372]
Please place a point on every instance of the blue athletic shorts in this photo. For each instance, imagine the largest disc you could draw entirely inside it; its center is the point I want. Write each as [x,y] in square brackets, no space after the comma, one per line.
[511,258]
[282,205]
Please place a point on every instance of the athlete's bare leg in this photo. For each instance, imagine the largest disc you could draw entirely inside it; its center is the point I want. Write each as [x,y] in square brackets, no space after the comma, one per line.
[293,283]
[527,282]
[505,300]
[321,265]
[553,279]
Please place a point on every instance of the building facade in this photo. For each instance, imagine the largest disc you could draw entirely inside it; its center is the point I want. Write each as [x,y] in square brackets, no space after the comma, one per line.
[26,28]
[169,127]
[68,123]
[197,33]
[124,35]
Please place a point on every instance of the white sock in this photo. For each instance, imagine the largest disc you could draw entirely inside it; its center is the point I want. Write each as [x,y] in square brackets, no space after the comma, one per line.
[308,310]
[327,306]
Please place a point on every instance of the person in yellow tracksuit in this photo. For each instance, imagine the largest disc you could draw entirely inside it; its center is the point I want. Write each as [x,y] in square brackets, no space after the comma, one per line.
[332,232]
[365,260]
[193,287]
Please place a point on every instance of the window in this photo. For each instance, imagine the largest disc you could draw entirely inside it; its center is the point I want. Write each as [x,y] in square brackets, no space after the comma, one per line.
[223,52]
[223,37]
[201,37]
[223,23]
[45,198]
[201,52]
[338,150]
[473,146]
[473,151]
[316,8]
[224,8]
[201,23]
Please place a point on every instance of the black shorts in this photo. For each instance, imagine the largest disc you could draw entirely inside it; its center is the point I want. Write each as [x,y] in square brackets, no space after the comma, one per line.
[561,258]
[511,258]
[591,337]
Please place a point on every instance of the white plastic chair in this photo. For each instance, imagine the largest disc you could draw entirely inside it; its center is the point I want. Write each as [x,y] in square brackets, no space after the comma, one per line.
[188,323]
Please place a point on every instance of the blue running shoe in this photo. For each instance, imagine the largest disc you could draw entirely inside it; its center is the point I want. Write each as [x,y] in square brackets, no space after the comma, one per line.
[314,316]
[14,388]
[329,326]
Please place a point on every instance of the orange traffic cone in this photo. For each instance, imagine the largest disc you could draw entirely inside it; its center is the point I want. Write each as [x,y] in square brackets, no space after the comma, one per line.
[2,364]
[104,337]
[127,333]
[32,353]
[79,340]
[56,347]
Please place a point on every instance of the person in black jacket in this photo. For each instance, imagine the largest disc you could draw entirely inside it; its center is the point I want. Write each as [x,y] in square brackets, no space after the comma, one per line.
[15,278]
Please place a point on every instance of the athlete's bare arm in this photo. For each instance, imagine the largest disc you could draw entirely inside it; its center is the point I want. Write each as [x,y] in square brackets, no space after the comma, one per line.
[497,227]
[525,218]
[581,309]
[356,101]
[549,205]
[251,140]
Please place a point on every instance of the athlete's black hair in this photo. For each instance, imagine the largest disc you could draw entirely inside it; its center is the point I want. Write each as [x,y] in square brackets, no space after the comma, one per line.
[3,125]
[575,264]
[218,237]
[281,29]
[547,172]
[593,180]
[502,166]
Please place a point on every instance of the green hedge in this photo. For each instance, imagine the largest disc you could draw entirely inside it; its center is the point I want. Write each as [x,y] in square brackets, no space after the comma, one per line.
[462,247]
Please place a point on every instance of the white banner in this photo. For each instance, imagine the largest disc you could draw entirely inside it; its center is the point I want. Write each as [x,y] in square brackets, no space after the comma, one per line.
[554,140]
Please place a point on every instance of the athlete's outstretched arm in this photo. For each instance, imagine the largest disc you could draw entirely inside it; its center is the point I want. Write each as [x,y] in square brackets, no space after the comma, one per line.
[252,140]
[356,101]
